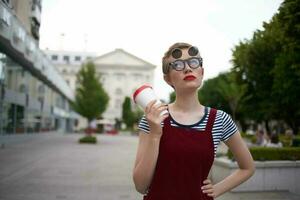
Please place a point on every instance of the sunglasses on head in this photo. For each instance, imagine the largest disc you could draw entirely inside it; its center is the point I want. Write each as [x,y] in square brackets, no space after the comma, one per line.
[177,53]
[193,62]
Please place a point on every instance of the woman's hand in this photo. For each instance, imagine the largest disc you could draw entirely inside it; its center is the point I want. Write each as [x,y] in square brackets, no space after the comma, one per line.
[208,188]
[154,118]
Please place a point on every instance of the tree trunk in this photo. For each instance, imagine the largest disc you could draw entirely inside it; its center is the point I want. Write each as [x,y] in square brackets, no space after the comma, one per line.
[267,127]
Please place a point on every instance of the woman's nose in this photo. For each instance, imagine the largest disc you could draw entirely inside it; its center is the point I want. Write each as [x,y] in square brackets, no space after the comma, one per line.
[187,68]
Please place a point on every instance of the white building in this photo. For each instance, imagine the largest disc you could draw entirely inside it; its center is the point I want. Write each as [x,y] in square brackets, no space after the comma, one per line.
[121,73]
[69,63]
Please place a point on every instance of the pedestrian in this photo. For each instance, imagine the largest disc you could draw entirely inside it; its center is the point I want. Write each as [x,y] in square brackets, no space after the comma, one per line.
[176,150]
[261,138]
[274,141]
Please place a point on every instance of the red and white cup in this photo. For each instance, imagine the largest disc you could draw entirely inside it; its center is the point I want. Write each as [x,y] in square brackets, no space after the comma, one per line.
[144,94]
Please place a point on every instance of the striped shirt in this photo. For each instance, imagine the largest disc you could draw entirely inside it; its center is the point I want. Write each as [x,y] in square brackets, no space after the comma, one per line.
[223,127]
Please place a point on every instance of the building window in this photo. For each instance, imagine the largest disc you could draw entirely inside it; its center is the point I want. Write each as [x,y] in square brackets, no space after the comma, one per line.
[137,77]
[22,88]
[120,76]
[118,91]
[77,58]
[41,89]
[54,57]
[66,58]
[117,104]
[8,3]
[103,77]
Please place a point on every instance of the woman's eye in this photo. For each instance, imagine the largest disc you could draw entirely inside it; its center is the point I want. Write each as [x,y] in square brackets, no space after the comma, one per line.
[194,62]
[178,65]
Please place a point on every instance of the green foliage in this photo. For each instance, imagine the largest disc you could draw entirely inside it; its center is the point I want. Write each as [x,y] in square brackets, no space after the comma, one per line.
[128,115]
[210,95]
[231,91]
[286,140]
[296,142]
[172,97]
[269,153]
[91,99]
[269,66]
[247,136]
[88,139]
[138,114]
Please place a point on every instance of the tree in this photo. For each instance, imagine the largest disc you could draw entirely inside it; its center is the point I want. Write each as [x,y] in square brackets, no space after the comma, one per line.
[231,91]
[286,90]
[269,66]
[128,115]
[91,100]
[210,95]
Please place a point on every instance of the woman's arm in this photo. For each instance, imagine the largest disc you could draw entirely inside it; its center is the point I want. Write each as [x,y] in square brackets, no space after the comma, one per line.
[148,147]
[145,163]
[245,162]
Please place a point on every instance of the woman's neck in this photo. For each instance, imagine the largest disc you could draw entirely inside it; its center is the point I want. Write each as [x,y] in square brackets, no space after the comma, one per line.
[187,102]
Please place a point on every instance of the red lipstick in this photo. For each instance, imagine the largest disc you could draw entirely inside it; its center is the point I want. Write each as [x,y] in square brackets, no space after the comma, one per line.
[189,78]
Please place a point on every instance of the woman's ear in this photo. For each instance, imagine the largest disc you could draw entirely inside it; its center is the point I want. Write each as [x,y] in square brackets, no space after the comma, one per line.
[167,79]
[202,71]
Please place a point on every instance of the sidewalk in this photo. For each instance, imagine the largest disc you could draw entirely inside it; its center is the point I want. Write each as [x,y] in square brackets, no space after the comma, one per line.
[55,166]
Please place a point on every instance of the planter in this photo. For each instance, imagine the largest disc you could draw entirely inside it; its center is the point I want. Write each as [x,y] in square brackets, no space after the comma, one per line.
[269,175]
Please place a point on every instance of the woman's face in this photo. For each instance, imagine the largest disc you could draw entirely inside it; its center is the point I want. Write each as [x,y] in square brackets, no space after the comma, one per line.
[188,78]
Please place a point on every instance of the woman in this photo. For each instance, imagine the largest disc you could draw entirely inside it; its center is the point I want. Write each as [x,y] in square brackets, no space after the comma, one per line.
[176,150]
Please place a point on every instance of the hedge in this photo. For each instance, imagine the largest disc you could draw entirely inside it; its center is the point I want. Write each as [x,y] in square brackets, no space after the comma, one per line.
[88,139]
[271,153]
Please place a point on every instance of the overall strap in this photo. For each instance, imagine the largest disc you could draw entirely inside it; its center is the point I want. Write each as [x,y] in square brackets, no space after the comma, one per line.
[167,122]
[211,119]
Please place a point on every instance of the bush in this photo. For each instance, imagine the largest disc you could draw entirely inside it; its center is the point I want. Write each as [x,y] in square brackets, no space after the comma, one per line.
[88,139]
[285,140]
[269,153]
[249,137]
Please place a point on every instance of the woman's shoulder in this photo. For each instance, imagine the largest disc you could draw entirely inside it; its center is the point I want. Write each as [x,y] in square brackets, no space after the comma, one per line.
[220,113]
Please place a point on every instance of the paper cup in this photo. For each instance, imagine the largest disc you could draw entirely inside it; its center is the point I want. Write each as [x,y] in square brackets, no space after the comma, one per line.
[143,95]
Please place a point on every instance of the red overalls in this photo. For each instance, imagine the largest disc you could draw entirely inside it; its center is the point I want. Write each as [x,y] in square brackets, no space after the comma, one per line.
[184,161]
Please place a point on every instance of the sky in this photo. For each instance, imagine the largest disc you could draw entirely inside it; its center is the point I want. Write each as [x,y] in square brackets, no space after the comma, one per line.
[146,29]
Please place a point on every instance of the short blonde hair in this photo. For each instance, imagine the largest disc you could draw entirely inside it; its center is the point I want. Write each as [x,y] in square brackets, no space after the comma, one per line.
[179,45]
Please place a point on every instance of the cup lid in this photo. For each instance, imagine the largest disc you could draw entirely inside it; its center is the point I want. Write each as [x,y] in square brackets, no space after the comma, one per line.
[139,90]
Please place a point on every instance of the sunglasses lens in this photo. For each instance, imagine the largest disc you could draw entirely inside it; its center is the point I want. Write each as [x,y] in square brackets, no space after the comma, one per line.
[193,51]
[176,53]
[178,65]
[194,63]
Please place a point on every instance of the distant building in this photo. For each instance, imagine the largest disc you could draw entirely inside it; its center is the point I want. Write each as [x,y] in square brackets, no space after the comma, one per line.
[33,95]
[121,74]
[68,63]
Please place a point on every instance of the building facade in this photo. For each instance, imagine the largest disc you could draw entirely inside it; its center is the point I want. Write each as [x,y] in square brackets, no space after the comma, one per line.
[121,73]
[33,95]
[68,64]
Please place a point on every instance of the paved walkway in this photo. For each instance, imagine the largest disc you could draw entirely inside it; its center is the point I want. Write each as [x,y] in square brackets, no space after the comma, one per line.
[55,166]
